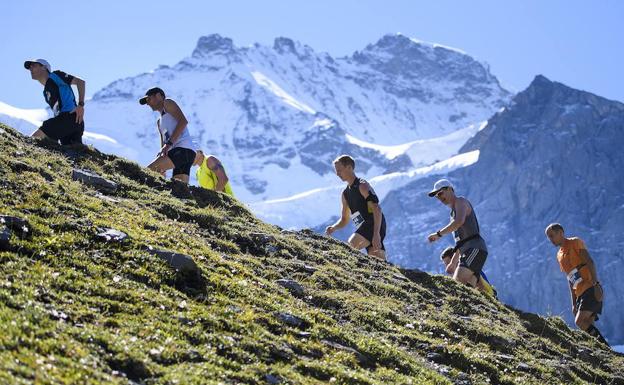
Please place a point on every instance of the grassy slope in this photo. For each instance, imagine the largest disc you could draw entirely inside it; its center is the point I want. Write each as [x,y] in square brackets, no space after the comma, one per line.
[77,310]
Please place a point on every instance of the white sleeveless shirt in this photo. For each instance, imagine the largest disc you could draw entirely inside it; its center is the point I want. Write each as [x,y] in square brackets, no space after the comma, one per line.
[167,125]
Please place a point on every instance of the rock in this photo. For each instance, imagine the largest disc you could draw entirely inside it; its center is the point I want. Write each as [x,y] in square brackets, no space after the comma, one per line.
[505,357]
[363,360]
[400,277]
[107,198]
[435,357]
[290,319]
[94,180]
[273,379]
[309,269]
[111,235]
[180,262]
[304,334]
[5,237]
[19,226]
[523,367]
[294,287]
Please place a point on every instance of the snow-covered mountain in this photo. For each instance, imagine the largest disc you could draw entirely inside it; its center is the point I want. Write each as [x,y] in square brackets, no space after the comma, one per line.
[277,116]
[553,155]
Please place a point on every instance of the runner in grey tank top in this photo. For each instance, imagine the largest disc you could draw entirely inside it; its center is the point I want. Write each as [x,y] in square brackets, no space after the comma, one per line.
[467,236]
[470,249]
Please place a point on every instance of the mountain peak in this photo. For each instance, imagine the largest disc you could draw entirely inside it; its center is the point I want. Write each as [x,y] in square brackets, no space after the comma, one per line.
[211,44]
[284,45]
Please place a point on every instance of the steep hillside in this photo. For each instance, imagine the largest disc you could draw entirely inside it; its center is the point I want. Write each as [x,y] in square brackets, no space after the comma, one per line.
[247,304]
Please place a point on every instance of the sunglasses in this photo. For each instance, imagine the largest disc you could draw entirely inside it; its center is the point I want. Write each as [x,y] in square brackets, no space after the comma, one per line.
[439,193]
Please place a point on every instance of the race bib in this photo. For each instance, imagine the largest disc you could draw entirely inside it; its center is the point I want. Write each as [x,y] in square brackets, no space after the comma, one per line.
[357,219]
[574,277]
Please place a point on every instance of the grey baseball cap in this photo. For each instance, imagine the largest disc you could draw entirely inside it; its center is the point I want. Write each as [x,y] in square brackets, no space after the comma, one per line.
[439,185]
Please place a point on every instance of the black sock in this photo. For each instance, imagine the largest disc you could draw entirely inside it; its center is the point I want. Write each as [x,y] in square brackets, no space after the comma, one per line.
[594,332]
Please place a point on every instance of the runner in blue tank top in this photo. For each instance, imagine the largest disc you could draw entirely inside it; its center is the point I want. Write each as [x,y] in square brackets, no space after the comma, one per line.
[67,125]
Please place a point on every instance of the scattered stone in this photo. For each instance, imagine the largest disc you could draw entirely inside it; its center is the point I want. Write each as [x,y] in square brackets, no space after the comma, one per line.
[180,262]
[523,367]
[94,180]
[304,334]
[272,379]
[290,320]
[400,277]
[309,269]
[435,357]
[363,360]
[505,357]
[18,225]
[107,198]
[111,235]
[294,287]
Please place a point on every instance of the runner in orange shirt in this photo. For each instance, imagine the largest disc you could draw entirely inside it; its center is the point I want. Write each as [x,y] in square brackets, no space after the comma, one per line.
[585,289]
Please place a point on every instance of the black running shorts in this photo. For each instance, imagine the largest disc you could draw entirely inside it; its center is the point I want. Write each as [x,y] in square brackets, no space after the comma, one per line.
[588,302]
[182,159]
[63,128]
[366,230]
[473,259]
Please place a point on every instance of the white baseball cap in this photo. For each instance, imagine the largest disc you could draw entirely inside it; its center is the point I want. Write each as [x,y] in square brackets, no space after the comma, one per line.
[439,185]
[43,62]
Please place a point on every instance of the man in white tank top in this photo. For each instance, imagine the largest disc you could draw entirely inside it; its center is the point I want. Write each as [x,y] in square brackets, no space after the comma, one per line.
[176,144]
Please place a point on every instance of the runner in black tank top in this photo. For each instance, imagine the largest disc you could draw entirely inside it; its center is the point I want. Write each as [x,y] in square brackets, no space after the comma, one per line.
[361,204]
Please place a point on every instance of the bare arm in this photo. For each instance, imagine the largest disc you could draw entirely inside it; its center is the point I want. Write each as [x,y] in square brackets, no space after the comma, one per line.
[80,84]
[172,108]
[462,210]
[344,218]
[215,165]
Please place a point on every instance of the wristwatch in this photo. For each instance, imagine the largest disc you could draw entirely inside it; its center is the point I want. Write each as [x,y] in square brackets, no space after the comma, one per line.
[169,142]
[81,104]
[439,233]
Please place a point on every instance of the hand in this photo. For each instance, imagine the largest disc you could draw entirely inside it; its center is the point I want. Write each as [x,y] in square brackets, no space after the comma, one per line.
[79,114]
[433,237]
[376,242]
[164,150]
[329,230]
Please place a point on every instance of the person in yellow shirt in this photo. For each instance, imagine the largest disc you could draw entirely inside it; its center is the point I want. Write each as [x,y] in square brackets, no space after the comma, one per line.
[483,284]
[211,174]
[585,289]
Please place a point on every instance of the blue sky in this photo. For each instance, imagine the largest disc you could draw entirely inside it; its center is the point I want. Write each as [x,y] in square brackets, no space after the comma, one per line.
[579,43]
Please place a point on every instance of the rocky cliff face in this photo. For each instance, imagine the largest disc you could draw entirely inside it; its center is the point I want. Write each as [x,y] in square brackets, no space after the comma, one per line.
[552,156]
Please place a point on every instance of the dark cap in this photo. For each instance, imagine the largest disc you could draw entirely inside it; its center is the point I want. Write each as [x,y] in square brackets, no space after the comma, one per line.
[150,92]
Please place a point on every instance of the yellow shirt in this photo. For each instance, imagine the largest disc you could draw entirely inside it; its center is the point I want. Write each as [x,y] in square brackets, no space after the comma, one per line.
[208,179]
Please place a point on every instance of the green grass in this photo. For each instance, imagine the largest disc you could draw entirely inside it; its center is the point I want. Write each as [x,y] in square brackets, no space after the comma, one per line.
[74,309]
